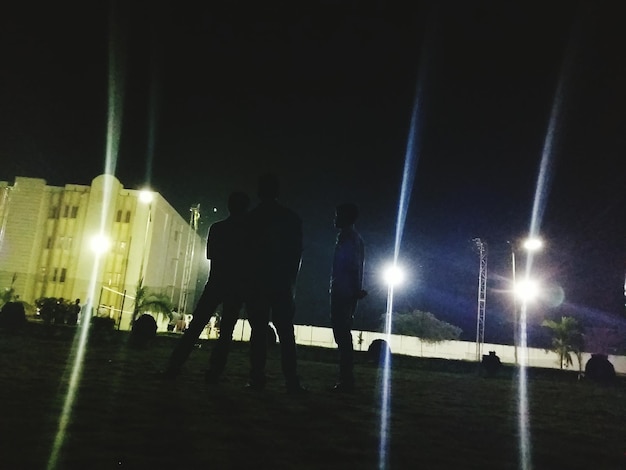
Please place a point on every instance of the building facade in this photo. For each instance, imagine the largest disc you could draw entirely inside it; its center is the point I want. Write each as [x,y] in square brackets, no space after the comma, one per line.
[97,243]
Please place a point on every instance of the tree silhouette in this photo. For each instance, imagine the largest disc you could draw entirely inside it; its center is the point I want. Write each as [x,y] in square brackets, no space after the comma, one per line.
[567,338]
[152,302]
[423,325]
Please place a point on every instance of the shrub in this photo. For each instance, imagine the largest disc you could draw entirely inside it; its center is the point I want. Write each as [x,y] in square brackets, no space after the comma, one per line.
[103,324]
[144,330]
[599,369]
[377,351]
[12,316]
[491,364]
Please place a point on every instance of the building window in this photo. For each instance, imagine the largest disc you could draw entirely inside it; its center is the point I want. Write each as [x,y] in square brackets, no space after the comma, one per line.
[54,212]
[66,211]
[49,243]
[54,274]
[66,243]
[118,217]
[127,217]
[74,212]
[63,274]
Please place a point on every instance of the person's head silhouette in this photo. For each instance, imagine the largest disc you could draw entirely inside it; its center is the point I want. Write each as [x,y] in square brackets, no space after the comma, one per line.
[269,187]
[346,215]
[238,203]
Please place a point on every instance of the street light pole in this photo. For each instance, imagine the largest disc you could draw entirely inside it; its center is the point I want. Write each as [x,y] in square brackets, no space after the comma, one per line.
[515,312]
[529,244]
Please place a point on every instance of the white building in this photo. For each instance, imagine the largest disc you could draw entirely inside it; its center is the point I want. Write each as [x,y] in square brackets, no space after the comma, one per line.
[47,235]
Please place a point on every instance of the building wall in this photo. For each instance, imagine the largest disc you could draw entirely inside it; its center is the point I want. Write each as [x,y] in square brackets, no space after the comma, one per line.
[46,236]
[413,346]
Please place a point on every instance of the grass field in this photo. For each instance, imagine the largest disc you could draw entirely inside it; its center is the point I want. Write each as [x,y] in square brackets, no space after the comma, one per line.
[443,414]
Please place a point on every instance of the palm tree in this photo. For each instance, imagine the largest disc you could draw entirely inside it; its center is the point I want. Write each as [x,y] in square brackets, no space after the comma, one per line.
[566,339]
[155,303]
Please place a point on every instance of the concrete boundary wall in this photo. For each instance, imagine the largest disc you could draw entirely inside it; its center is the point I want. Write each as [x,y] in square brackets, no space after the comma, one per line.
[412,346]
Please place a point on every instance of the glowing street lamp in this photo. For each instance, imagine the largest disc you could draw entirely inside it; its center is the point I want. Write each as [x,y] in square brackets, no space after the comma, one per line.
[146,196]
[393,275]
[527,290]
[100,244]
[530,245]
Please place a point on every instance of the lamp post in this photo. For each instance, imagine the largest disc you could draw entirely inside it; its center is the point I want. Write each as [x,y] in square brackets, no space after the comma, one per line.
[145,196]
[393,275]
[99,244]
[530,244]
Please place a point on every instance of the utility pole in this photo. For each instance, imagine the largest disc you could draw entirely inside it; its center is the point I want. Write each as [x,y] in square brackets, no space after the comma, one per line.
[482,297]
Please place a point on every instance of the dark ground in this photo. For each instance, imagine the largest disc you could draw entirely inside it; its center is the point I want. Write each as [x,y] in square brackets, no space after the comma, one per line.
[443,413]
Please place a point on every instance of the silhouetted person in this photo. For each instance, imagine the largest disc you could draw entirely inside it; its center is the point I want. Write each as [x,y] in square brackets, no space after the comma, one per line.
[346,288]
[46,309]
[275,255]
[226,285]
[72,312]
[60,311]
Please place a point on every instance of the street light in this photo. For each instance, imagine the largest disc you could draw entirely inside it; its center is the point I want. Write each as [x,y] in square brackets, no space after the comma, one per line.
[100,244]
[527,290]
[393,275]
[146,197]
[530,244]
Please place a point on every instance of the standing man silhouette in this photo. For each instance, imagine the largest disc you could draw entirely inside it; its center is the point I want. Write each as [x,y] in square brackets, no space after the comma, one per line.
[226,285]
[346,289]
[275,256]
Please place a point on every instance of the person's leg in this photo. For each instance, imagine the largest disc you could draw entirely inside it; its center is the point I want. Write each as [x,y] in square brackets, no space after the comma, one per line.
[219,355]
[208,302]
[342,311]
[258,316]
[283,313]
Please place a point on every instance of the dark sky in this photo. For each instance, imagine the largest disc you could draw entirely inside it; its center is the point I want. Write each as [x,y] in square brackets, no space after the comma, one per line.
[322,94]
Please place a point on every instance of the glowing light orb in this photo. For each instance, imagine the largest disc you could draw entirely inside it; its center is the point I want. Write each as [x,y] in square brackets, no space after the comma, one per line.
[527,290]
[533,244]
[146,196]
[100,244]
[393,275]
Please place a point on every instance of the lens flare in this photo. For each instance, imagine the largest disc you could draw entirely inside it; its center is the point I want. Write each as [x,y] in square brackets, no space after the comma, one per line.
[393,275]
[411,158]
[114,120]
[539,203]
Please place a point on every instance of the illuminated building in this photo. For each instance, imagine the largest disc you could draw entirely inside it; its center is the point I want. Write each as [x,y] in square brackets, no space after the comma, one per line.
[46,245]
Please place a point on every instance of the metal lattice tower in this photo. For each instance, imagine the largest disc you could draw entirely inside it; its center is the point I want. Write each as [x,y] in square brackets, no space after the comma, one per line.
[482,297]
[189,254]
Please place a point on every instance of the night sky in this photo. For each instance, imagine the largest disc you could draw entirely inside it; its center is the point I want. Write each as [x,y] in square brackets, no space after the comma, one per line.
[322,93]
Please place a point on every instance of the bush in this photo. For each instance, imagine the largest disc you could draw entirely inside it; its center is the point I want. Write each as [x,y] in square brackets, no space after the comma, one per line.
[599,369]
[377,351]
[103,324]
[12,316]
[491,364]
[144,330]
[101,327]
